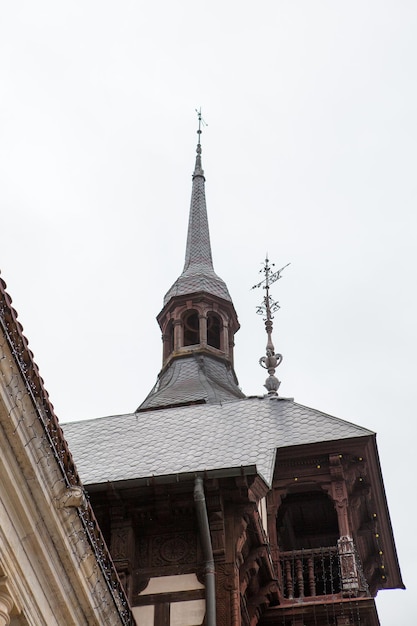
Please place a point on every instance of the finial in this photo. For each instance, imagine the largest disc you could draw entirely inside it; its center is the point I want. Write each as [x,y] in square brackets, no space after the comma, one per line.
[198,171]
[201,123]
[268,307]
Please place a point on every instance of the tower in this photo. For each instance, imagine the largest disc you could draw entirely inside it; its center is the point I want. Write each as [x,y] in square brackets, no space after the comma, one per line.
[198,321]
[230,509]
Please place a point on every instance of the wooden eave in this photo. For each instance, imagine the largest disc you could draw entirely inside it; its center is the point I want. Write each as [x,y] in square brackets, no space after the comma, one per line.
[383,520]
[320,611]
[360,447]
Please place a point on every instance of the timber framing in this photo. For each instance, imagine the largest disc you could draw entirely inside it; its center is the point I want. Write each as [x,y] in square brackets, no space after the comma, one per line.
[153,532]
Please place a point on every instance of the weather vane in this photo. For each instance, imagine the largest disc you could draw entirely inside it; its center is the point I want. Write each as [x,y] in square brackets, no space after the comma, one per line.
[268,307]
[201,123]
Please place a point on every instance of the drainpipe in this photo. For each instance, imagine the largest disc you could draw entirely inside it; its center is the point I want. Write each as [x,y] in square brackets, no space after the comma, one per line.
[200,506]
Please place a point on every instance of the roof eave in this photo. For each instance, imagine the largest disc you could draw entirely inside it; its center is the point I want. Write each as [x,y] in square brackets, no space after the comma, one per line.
[169,479]
[394,578]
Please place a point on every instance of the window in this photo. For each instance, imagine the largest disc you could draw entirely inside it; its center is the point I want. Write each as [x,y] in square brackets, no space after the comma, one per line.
[191,329]
[213,330]
[169,339]
[307,520]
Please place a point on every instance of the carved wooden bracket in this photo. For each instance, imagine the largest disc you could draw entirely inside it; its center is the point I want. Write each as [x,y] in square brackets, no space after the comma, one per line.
[216,520]
[259,602]
[339,493]
[250,567]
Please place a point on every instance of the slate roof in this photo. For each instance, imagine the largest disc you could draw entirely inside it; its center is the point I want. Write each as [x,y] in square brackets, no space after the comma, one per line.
[194,378]
[198,273]
[198,438]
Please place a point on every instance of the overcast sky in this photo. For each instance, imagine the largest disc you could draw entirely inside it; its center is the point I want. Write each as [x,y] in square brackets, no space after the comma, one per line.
[309,154]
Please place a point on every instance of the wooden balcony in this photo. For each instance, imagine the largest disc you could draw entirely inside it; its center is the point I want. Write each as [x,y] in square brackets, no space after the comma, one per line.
[308,575]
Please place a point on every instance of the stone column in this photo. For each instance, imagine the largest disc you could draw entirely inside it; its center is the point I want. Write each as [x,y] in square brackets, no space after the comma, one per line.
[224,340]
[203,330]
[178,334]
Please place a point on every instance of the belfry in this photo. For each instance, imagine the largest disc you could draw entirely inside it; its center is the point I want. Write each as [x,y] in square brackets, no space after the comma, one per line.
[198,321]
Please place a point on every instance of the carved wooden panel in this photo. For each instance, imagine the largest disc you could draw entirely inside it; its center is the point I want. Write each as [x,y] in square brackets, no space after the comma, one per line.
[166,554]
[227,595]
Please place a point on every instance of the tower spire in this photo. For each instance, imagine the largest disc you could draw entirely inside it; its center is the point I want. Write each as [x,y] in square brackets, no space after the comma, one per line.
[198,274]
[198,320]
[268,307]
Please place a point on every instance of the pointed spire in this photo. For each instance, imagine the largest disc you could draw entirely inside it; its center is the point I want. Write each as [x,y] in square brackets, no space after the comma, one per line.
[198,321]
[198,274]
[268,307]
[198,170]
[198,249]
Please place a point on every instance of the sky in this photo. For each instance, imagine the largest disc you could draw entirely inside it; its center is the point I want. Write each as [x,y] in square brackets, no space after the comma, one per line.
[310,157]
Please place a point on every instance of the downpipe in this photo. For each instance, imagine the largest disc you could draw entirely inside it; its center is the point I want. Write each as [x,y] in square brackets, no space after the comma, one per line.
[203,525]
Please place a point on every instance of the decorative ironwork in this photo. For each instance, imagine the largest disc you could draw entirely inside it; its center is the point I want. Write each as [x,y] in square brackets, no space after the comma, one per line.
[201,122]
[268,307]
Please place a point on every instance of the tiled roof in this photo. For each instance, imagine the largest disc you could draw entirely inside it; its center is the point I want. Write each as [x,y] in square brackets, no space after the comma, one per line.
[197,278]
[198,273]
[194,378]
[24,359]
[12,334]
[198,438]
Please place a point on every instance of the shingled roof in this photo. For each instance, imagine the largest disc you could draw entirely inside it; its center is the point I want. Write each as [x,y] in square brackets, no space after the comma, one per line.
[199,438]
[192,379]
[198,274]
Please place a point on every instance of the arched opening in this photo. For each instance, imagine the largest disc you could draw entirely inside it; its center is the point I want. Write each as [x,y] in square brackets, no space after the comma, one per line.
[308,530]
[307,520]
[168,339]
[214,325]
[191,329]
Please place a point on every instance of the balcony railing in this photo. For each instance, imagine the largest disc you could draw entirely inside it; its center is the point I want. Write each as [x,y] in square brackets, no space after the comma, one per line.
[322,571]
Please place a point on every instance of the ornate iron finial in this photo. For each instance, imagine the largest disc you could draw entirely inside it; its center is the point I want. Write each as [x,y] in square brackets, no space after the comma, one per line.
[198,170]
[268,307]
[201,123]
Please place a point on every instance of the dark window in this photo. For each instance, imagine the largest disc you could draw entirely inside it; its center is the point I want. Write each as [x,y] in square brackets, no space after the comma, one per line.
[191,329]
[213,330]
[307,520]
[307,535]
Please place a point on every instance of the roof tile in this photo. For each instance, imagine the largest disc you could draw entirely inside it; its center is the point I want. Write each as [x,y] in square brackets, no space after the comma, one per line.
[197,438]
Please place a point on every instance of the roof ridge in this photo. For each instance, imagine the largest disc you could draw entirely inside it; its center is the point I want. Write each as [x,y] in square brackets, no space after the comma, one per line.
[338,419]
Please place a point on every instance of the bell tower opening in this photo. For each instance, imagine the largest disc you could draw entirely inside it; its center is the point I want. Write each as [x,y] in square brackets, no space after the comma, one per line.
[168,340]
[191,329]
[213,330]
